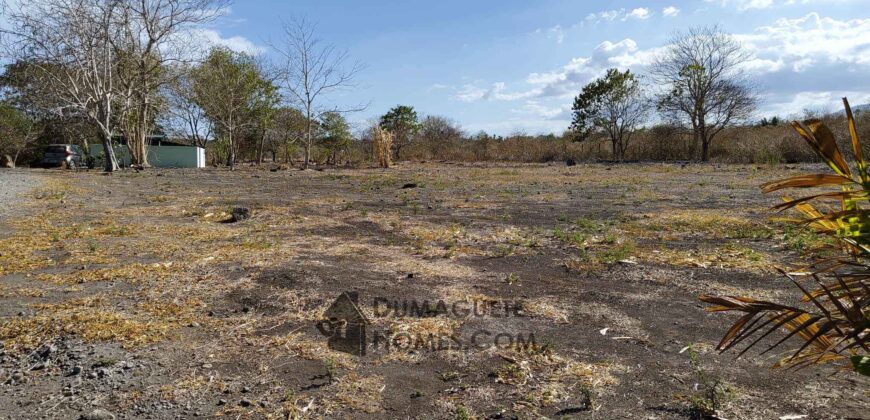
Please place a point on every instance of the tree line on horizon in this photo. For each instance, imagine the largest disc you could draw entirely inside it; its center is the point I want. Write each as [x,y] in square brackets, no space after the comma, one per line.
[92,71]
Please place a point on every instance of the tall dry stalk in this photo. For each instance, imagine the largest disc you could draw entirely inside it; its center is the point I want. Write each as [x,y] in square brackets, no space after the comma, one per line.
[382,144]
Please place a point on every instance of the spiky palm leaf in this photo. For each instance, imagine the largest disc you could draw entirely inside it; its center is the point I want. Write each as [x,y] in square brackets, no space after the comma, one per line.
[834,324]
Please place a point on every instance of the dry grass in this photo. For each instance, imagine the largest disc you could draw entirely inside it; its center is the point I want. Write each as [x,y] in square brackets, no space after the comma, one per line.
[92,319]
[359,393]
[731,255]
[545,379]
[547,308]
[707,224]
[299,345]
[383,147]
[133,273]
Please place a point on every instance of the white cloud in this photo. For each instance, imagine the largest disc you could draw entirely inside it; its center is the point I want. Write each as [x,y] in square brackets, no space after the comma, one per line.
[744,5]
[556,32]
[607,15]
[805,62]
[793,105]
[212,38]
[641,13]
[670,11]
[474,93]
[566,81]
[539,110]
[803,41]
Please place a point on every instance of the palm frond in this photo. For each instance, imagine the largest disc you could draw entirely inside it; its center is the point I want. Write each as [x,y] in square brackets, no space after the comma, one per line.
[833,327]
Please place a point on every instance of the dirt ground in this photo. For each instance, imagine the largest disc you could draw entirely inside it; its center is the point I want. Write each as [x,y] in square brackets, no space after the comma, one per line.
[566,292]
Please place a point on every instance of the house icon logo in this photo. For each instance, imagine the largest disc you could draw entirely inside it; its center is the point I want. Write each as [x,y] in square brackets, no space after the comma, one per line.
[345,325]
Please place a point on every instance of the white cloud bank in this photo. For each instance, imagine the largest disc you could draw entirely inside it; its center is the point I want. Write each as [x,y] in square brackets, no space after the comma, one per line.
[744,5]
[806,62]
[640,13]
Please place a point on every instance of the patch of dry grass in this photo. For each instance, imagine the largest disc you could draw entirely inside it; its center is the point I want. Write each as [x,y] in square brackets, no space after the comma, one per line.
[731,255]
[92,319]
[134,273]
[545,379]
[363,393]
[297,344]
[546,308]
[708,224]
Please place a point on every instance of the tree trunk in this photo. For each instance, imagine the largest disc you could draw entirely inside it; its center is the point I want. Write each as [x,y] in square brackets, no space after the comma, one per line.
[231,154]
[261,149]
[137,141]
[111,163]
[705,144]
[307,141]
[705,151]
[614,146]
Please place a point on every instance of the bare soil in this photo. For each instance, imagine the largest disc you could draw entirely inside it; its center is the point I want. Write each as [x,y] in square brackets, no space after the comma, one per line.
[130,293]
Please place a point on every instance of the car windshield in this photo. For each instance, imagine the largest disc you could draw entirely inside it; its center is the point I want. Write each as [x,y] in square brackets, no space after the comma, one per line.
[55,149]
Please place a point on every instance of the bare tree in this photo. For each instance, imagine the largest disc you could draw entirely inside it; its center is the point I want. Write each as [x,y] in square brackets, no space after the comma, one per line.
[705,85]
[440,134]
[149,42]
[66,46]
[311,70]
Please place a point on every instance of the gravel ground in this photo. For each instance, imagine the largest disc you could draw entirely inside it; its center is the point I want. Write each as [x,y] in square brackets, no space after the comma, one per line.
[12,184]
[129,295]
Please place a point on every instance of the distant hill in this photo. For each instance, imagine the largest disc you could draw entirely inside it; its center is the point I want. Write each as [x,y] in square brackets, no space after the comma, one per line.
[856,109]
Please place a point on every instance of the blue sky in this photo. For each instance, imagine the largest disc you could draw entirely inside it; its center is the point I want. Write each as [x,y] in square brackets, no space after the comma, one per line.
[513,65]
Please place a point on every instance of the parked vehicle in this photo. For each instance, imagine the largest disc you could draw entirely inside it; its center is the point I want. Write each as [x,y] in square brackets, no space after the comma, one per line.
[62,155]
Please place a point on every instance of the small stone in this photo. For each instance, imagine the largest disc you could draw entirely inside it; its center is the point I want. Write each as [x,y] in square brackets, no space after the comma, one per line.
[98,414]
[206,365]
[246,390]
[45,351]
[240,214]
[222,402]
[245,402]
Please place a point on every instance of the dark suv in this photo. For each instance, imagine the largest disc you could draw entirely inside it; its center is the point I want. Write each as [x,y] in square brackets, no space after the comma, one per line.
[62,155]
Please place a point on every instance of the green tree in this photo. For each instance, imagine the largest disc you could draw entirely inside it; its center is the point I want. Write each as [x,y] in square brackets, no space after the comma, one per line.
[335,134]
[402,122]
[286,132]
[614,105]
[18,131]
[235,95]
